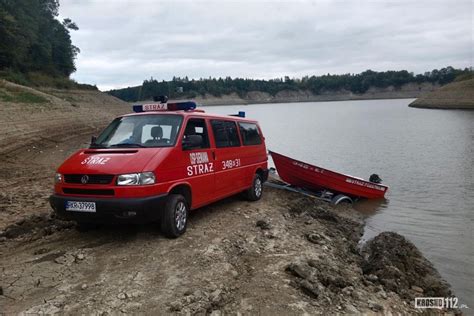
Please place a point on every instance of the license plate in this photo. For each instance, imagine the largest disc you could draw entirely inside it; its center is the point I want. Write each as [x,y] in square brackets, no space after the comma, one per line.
[76,206]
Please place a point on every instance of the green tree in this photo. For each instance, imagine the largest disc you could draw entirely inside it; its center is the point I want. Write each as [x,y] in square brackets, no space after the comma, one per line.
[33,40]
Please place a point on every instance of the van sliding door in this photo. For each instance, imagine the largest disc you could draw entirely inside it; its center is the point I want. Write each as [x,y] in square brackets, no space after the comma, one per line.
[229,178]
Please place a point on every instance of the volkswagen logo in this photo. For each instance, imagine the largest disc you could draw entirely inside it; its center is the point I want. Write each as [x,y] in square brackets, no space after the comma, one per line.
[85,179]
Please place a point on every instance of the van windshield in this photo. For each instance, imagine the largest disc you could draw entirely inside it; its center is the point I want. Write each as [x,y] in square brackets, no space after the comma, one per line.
[153,130]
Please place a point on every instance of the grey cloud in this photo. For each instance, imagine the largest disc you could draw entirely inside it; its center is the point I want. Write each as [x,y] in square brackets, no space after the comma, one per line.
[124,42]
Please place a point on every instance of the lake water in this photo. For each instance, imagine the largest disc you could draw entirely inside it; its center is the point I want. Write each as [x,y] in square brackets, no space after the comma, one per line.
[425,156]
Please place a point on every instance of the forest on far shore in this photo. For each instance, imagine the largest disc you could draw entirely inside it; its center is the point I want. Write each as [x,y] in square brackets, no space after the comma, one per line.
[357,83]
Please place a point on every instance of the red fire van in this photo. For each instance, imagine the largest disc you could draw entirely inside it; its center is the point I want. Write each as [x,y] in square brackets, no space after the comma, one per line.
[159,163]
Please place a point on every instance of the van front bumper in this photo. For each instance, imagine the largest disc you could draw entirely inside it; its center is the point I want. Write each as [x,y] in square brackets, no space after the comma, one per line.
[109,210]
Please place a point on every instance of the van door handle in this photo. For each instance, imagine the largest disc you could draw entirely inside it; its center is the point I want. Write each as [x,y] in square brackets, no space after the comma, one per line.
[213,155]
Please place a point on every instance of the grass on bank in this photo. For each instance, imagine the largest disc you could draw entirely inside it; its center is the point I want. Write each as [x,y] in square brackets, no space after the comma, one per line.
[15,94]
[38,79]
[464,77]
[21,97]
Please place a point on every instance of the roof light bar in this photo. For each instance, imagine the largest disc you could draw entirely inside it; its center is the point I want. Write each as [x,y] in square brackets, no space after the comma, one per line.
[174,106]
[240,114]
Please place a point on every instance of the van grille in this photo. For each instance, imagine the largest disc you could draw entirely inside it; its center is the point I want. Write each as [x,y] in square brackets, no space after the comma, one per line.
[88,191]
[91,178]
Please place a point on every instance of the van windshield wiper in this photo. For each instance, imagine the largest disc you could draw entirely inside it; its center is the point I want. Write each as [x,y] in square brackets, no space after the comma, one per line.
[128,145]
[95,146]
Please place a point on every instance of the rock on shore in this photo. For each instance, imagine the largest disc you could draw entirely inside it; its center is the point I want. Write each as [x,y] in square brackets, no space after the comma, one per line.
[400,267]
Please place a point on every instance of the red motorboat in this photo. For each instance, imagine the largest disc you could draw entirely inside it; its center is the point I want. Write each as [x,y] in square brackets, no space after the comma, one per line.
[311,177]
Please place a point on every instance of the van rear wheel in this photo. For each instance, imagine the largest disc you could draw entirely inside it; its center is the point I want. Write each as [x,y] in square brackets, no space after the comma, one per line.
[254,193]
[175,216]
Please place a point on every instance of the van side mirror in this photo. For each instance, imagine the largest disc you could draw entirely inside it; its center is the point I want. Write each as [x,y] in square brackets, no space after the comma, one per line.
[192,141]
[93,140]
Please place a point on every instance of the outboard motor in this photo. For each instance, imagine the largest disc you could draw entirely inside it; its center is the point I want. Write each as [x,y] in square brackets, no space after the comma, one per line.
[375,178]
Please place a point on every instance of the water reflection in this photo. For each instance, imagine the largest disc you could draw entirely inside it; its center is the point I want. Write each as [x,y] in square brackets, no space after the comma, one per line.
[370,207]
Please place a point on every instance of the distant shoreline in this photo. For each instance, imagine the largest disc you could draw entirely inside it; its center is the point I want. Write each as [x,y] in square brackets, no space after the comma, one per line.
[408,91]
[303,101]
[278,102]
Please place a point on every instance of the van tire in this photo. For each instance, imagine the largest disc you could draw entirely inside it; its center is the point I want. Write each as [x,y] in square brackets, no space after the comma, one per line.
[175,216]
[255,192]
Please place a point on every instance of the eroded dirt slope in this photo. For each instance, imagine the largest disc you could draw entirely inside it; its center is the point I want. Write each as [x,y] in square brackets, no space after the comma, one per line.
[455,95]
[36,137]
[64,114]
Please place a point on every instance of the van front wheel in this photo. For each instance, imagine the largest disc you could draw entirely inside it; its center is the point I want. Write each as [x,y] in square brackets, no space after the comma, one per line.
[254,193]
[175,216]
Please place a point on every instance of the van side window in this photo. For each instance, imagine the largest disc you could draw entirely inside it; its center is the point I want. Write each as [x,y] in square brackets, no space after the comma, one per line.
[250,134]
[225,133]
[197,127]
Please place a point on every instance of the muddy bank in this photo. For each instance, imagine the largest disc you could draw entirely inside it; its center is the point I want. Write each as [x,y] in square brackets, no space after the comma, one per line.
[282,255]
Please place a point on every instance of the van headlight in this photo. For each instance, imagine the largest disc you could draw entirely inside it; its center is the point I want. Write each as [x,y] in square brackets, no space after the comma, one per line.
[142,178]
[58,178]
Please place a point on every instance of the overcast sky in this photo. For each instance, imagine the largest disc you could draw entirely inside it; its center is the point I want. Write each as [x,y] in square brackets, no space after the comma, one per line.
[124,42]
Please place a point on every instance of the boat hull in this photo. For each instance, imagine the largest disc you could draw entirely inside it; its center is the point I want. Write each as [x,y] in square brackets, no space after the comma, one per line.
[304,175]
